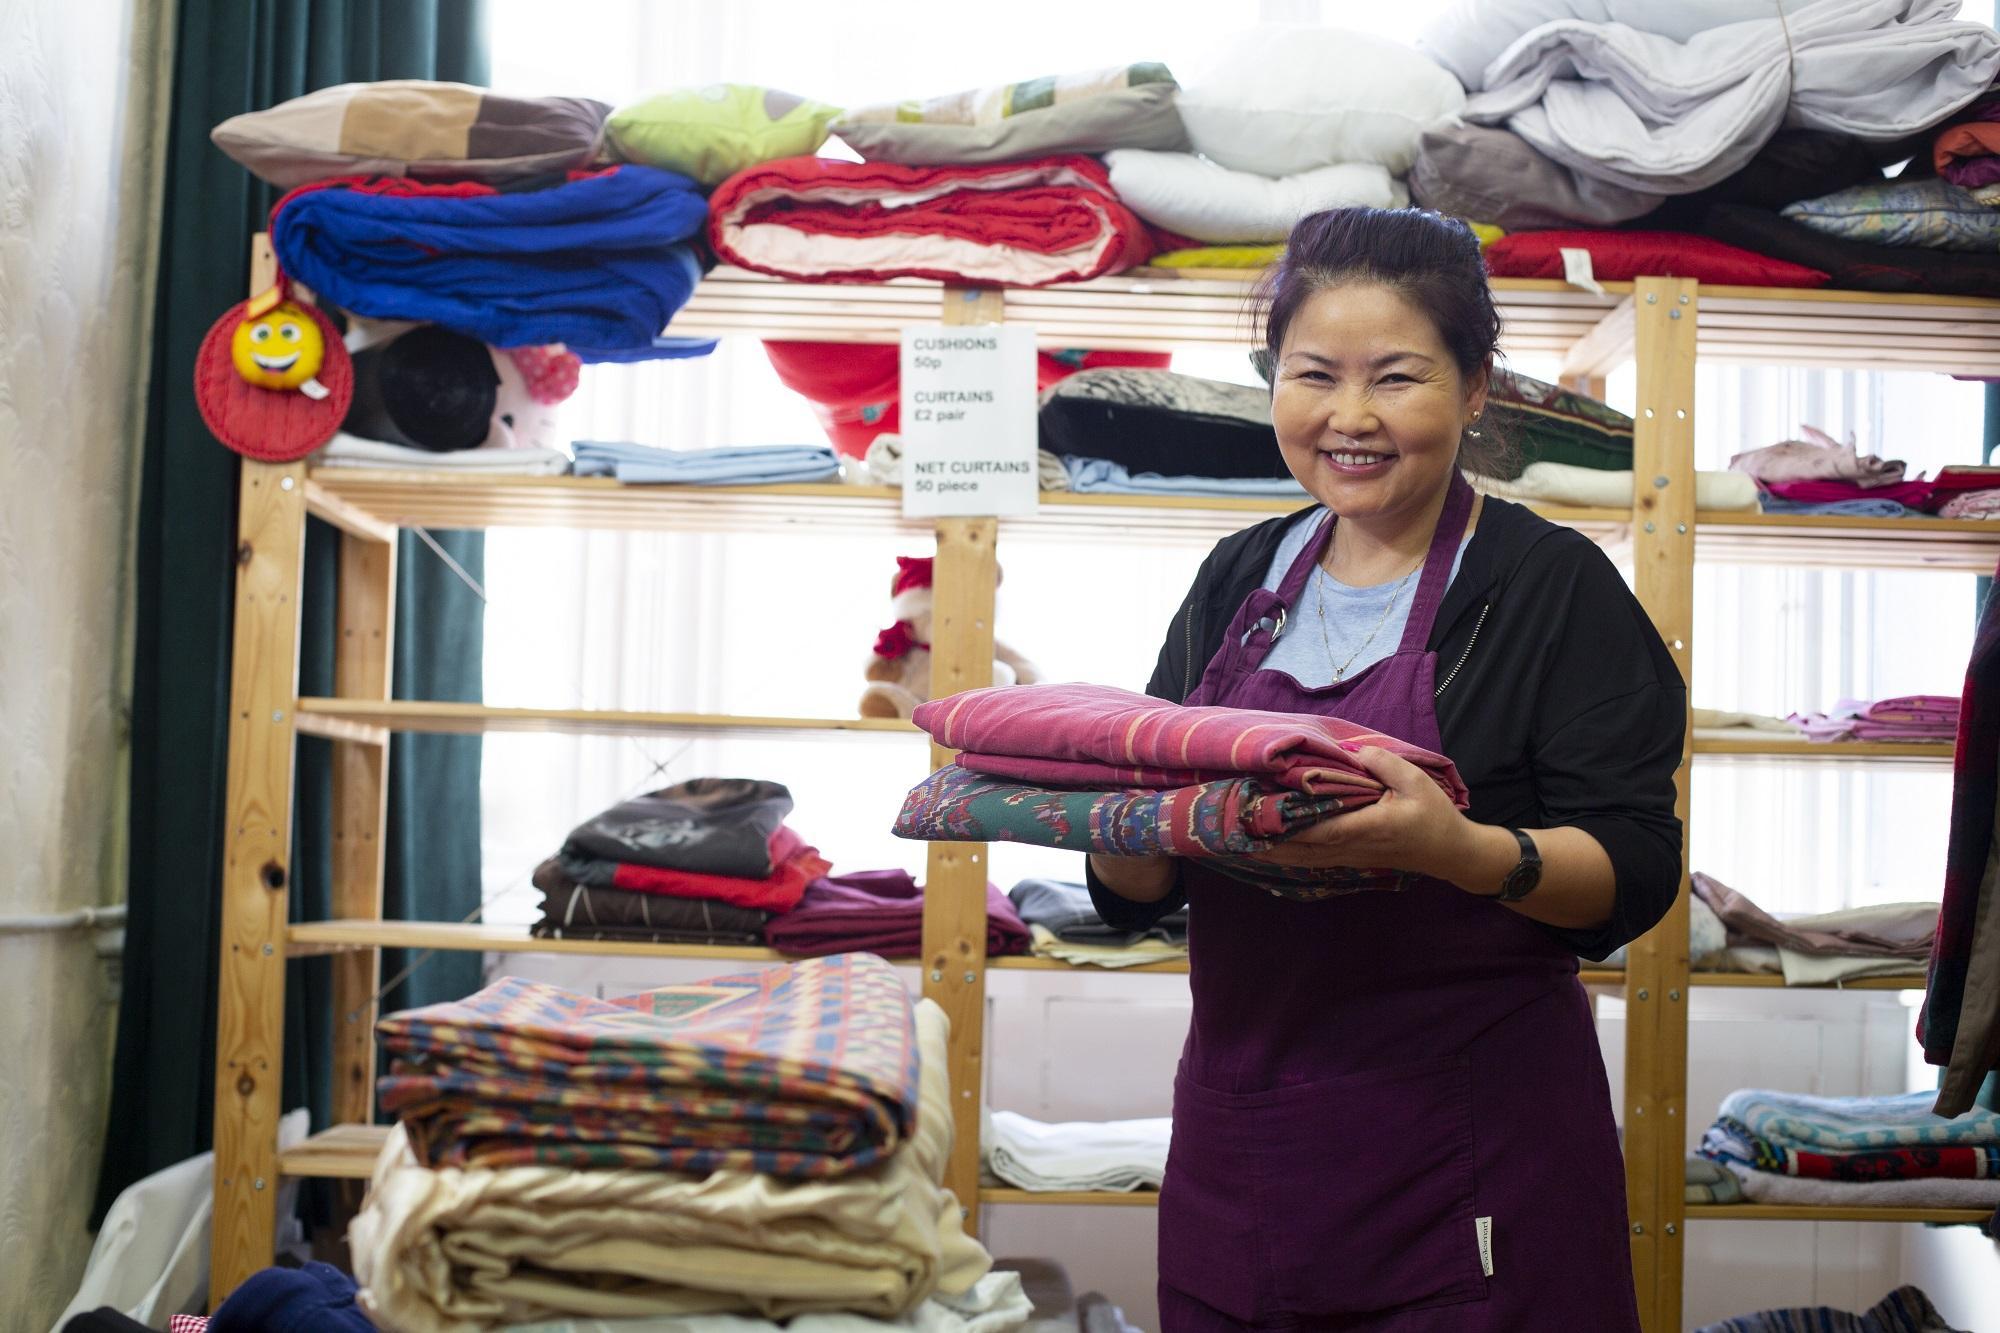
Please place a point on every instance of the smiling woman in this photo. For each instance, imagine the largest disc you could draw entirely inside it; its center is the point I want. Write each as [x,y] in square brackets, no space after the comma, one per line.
[1405,1018]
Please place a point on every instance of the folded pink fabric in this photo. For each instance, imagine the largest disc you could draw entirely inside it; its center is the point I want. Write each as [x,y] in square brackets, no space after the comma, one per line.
[1908,717]
[1972,504]
[1099,736]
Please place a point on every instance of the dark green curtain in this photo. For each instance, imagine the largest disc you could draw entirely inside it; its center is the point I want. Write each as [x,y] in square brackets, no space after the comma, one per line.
[233,56]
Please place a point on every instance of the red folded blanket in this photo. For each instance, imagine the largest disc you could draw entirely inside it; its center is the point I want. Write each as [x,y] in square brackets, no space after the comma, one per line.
[1098,736]
[1024,224]
[794,864]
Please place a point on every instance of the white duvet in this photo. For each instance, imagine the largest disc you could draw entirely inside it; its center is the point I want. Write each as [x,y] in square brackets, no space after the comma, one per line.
[1680,110]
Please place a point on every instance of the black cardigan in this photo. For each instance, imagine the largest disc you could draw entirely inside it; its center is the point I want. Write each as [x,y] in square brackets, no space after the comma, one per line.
[1558,702]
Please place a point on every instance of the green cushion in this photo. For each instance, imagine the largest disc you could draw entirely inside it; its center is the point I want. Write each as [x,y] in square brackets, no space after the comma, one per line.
[714,132]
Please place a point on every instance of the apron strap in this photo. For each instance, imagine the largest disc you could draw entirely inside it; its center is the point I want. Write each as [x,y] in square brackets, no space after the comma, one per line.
[1437,564]
[1308,559]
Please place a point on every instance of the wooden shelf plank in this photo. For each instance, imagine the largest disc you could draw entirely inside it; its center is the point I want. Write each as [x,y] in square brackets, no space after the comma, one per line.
[1772,981]
[1099,1198]
[1772,1212]
[339,1152]
[1755,745]
[343,718]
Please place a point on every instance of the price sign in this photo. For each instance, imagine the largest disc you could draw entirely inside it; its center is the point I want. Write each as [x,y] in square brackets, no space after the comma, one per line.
[968,418]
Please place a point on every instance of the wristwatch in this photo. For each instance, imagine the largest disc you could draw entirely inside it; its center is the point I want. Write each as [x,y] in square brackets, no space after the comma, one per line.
[1523,878]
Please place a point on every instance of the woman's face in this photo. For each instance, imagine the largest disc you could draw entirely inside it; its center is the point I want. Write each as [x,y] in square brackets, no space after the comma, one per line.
[1368,404]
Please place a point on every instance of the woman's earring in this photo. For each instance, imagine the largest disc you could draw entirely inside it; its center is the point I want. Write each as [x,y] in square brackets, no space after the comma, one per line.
[1472,430]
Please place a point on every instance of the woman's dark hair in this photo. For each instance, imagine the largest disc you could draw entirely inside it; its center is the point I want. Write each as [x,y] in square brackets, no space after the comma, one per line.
[1431,260]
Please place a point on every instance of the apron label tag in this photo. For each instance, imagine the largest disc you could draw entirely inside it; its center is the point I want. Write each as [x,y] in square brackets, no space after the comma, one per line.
[1485,1244]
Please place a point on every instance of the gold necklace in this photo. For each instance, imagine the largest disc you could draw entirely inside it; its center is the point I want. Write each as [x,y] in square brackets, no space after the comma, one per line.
[1319,606]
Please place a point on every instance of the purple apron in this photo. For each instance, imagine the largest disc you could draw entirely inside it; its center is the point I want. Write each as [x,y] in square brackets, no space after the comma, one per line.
[1391,1111]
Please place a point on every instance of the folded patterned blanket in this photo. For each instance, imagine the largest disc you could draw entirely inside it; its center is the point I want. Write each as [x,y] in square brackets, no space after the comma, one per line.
[802,1071]
[459,1250]
[1709,1182]
[1024,224]
[1100,736]
[1729,1140]
[1222,821]
[598,264]
[713,826]
[1904,1310]
[1851,1124]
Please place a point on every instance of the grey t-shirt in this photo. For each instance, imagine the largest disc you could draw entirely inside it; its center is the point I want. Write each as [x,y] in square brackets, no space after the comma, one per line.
[1351,615]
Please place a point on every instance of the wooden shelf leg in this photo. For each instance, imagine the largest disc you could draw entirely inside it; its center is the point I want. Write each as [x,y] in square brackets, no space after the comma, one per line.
[256,875]
[954,945]
[1656,981]
[362,670]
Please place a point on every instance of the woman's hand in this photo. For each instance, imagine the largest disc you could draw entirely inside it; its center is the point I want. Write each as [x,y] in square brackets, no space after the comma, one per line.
[1414,827]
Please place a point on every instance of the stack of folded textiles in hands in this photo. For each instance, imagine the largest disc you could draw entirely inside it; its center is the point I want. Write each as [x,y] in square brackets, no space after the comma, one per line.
[708,861]
[770,1143]
[1091,768]
[1789,1148]
[1907,717]
[1066,926]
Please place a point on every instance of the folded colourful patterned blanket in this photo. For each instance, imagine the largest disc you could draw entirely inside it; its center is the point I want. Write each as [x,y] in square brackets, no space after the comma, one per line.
[1851,1124]
[1099,736]
[805,1071]
[1730,1140]
[817,219]
[1904,1310]
[1221,822]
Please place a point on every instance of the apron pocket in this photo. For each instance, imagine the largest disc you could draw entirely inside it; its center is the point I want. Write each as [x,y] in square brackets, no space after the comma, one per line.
[1352,1195]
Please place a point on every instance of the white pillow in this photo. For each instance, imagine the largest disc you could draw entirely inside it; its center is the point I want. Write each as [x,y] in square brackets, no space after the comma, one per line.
[1286,98]
[1206,202]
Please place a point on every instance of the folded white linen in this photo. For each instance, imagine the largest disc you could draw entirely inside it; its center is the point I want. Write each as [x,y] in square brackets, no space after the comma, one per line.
[1079,1155]
[1567,484]
[345,451]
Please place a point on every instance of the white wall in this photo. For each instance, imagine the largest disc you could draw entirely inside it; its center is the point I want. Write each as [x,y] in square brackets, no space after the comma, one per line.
[78,186]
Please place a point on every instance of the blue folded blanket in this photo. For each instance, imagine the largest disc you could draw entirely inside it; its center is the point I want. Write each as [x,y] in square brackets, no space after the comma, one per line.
[744,465]
[1853,1124]
[1100,476]
[598,264]
[1776,504]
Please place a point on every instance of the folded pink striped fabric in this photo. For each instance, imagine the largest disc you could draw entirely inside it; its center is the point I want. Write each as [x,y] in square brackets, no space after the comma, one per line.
[1908,717]
[1098,736]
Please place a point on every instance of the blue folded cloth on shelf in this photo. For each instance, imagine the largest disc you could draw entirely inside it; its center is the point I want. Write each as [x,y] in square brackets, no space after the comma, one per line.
[742,465]
[1777,504]
[1065,909]
[599,264]
[1101,476]
[1856,1124]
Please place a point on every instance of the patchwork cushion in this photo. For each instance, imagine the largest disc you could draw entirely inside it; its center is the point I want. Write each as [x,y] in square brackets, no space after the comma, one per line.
[1131,106]
[1286,98]
[1621,255]
[1932,213]
[413,127]
[714,132]
[1206,202]
[1544,423]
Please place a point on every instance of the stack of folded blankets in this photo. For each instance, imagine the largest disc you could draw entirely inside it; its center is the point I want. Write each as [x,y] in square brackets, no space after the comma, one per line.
[1909,717]
[1066,926]
[1890,939]
[881,911]
[1905,1310]
[740,465]
[1094,1155]
[1789,1148]
[712,861]
[1091,768]
[768,1143]
[1820,475]
[708,861]
[1754,142]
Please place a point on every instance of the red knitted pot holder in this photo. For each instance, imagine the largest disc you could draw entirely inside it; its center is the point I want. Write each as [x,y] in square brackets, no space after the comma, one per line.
[270,425]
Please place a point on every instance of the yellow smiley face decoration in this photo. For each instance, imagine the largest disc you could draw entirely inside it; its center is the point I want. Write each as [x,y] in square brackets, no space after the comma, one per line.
[280,348]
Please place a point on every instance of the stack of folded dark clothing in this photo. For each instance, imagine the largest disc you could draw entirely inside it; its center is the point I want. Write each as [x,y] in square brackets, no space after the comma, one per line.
[708,861]
[882,912]
[1066,926]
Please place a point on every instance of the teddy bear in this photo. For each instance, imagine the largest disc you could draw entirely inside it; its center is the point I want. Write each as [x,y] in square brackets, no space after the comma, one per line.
[899,670]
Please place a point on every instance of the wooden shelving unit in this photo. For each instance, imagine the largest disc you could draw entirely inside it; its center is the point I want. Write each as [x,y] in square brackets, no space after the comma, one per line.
[1663,324]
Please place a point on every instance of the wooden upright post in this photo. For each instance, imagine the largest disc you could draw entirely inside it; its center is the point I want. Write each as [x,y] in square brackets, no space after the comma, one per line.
[362,670]
[964,583]
[1656,976]
[256,866]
